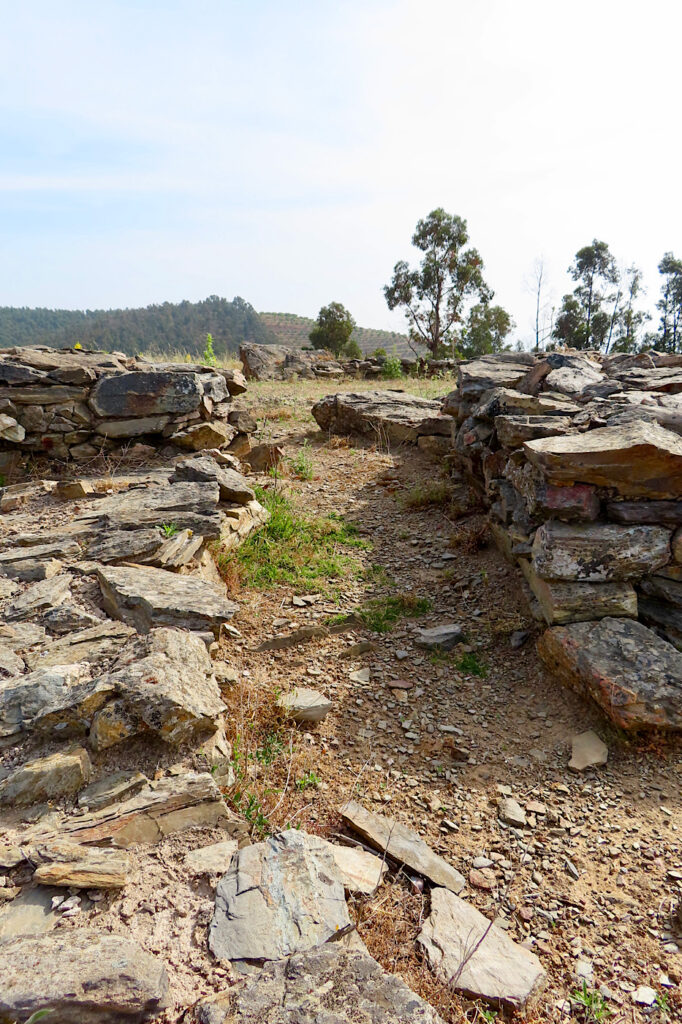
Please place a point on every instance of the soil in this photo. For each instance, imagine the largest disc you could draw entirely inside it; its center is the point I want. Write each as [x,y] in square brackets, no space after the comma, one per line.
[586,884]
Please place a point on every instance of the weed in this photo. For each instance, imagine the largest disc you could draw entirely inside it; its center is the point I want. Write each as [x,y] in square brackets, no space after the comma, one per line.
[375,573]
[309,781]
[169,529]
[392,367]
[302,464]
[208,357]
[470,665]
[488,1015]
[250,806]
[592,1003]
[292,548]
[381,613]
[423,495]
[271,749]
[662,1003]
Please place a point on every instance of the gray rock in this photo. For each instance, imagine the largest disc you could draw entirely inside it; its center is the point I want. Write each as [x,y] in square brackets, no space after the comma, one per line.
[39,597]
[112,789]
[305,705]
[132,428]
[443,637]
[10,429]
[385,415]
[68,864]
[402,844]
[469,953]
[145,598]
[188,506]
[82,977]
[278,897]
[510,812]
[587,751]
[97,643]
[43,699]
[29,913]
[599,552]
[146,394]
[205,435]
[46,778]
[232,485]
[322,986]
[69,618]
[212,860]
[39,562]
[126,545]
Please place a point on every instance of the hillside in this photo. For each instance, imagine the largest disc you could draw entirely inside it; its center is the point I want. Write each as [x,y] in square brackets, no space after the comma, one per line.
[170,327]
[293,330]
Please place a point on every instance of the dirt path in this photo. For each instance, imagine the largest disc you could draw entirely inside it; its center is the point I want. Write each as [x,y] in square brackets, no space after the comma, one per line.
[587,884]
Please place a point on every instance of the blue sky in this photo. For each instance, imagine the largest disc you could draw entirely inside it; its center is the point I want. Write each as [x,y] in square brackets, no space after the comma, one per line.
[284,151]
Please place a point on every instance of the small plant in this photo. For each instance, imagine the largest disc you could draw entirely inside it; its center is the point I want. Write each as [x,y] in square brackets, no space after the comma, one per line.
[169,529]
[309,781]
[662,1004]
[381,613]
[592,1003]
[471,666]
[488,1015]
[208,357]
[270,751]
[392,367]
[437,492]
[302,464]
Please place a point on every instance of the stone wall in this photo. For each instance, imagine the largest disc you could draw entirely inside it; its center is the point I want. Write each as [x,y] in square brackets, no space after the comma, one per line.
[277,362]
[73,404]
[579,460]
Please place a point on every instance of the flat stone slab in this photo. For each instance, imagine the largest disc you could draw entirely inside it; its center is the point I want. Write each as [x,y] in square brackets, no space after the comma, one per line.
[360,871]
[39,597]
[569,601]
[145,598]
[278,897]
[634,675]
[96,643]
[442,638]
[212,860]
[85,867]
[305,705]
[392,415]
[232,485]
[468,952]
[598,552]
[402,844]
[587,751]
[125,545]
[28,700]
[146,394]
[327,985]
[187,505]
[46,778]
[82,977]
[640,460]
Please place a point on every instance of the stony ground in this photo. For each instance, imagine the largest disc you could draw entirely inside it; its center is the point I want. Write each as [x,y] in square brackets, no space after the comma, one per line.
[592,882]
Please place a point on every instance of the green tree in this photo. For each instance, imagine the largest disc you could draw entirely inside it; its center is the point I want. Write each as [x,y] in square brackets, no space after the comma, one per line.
[352,350]
[333,328]
[583,321]
[485,331]
[627,321]
[434,295]
[670,304]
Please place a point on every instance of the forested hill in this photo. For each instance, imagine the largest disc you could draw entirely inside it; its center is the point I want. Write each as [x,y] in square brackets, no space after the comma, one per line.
[170,327]
[293,330]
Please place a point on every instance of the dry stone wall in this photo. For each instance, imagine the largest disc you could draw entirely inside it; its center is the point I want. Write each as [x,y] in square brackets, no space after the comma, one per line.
[579,460]
[73,404]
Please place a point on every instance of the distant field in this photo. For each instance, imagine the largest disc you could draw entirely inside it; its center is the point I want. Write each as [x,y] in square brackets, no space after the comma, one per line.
[293,330]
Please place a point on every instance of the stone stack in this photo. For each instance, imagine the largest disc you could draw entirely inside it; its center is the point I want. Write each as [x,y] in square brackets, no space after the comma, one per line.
[579,460]
[73,403]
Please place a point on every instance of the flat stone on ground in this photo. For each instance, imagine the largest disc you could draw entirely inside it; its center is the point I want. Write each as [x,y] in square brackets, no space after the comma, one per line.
[587,751]
[442,638]
[212,860]
[46,778]
[305,705]
[83,867]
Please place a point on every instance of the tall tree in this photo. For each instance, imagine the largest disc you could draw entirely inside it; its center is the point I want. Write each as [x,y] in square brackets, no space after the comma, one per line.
[333,328]
[627,321]
[670,304]
[544,313]
[583,321]
[434,294]
[485,331]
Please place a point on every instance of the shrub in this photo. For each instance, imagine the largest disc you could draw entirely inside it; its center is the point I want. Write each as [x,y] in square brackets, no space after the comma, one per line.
[392,368]
[208,358]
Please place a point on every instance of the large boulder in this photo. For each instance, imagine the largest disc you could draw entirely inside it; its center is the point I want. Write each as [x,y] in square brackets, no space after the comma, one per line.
[383,415]
[277,362]
[321,986]
[80,977]
[639,460]
[634,675]
[146,394]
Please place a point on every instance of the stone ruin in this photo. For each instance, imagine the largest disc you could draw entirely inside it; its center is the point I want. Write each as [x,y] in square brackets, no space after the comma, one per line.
[279,362]
[71,404]
[578,460]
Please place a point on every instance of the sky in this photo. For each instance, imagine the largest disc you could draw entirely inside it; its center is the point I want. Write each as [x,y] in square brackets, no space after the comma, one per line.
[284,151]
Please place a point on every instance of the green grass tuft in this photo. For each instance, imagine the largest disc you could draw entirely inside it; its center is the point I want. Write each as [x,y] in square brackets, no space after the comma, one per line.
[380,614]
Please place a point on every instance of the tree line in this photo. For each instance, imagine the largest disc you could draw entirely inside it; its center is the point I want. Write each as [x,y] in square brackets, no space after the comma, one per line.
[449,310]
[165,327]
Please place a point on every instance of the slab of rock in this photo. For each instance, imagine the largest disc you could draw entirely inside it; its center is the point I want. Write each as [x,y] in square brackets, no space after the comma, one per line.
[640,460]
[59,698]
[442,638]
[188,506]
[145,598]
[477,376]
[68,618]
[474,956]
[327,985]
[112,789]
[39,562]
[81,977]
[132,428]
[29,913]
[510,812]
[305,705]
[231,484]
[263,457]
[386,415]
[599,552]
[506,402]
[169,805]
[46,778]
[178,550]
[39,597]
[83,867]
[513,431]
[96,643]
[278,897]
[129,395]
[212,860]
[359,870]
[587,751]
[10,429]
[163,683]
[205,435]
[661,513]
[634,675]
[126,545]
[402,844]
[566,601]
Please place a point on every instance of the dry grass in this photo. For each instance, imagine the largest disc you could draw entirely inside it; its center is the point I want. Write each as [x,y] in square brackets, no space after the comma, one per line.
[471,535]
